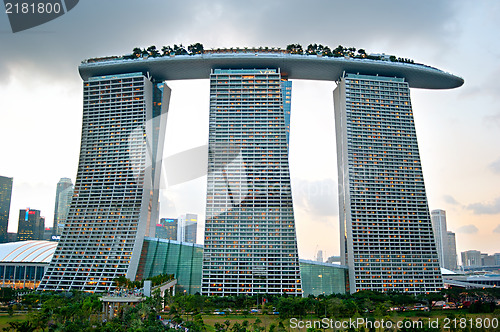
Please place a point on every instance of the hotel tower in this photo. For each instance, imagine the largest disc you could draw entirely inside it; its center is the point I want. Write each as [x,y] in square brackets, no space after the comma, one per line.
[250,242]
[115,201]
[386,232]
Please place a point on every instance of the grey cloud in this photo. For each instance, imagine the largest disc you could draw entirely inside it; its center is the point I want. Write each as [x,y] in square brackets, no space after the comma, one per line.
[318,198]
[468,229]
[492,119]
[485,208]
[100,28]
[495,166]
[497,229]
[450,200]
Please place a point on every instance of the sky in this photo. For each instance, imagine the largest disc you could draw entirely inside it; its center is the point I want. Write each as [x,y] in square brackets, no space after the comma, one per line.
[458,130]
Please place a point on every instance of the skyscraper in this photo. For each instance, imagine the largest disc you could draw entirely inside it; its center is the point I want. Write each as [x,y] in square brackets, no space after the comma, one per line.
[167,229]
[5,195]
[250,241]
[438,218]
[250,231]
[188,226]
[115,203]
[386,233]
[64,193]
[451,252]
[471,258]
[31,225]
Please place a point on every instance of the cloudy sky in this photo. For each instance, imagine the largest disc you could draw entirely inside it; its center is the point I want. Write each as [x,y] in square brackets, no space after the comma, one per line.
[458,130]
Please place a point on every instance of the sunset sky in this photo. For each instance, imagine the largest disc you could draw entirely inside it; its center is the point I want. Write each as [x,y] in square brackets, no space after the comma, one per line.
[458,130]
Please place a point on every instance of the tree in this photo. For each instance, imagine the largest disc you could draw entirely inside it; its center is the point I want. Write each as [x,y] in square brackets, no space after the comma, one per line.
[179,50]
[339,51]
[295,49]
[136,52]
[153,52]
[167,50]
[195,49]
[314,49]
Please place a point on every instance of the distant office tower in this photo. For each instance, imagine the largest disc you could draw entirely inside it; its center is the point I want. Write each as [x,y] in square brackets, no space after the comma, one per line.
[438,218]
[115,203]
[5,195]
[319,256]
[451,252]
[250,241]
[167,229]
[48,233]
[188,225]
[471,258]
[497,259]
[64,193]
[31,225]
[386,232]
[487,260]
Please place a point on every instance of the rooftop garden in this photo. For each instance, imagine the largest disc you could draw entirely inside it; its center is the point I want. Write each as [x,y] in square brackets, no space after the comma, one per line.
[197,48]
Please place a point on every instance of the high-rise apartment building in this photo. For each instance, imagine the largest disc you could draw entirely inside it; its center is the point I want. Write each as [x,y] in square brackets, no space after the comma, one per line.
[386,233]
[115,201]
[64,193]
[250,241]
[31,225]
[450,262]
[5,195]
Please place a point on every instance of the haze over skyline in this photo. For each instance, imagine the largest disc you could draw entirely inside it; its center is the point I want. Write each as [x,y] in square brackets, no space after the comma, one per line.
[458,130]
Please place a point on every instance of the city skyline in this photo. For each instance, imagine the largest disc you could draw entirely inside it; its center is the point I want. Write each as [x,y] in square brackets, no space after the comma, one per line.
[461,166]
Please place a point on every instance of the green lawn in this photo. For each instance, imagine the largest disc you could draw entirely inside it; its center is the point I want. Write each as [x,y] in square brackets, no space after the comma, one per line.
[5,319]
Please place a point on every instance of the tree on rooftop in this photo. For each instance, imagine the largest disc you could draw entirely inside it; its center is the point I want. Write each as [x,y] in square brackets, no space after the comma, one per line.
[179,50]
[295,49]
[362,53]
[195,48]
[313,49]
[339,51]
[152,51]
[136,52]
[167,50]
[327,51]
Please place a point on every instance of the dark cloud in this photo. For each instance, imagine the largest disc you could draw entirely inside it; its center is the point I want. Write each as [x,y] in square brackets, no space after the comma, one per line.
[495,166]
[497,229]
[468,229]
[317,198]
[100,28]
[485,208]
[450,200]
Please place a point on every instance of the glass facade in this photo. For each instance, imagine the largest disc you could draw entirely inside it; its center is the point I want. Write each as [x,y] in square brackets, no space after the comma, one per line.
[250,241]
[386,232]
[183,260]
[322,278]
[21,275]
[64,193]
